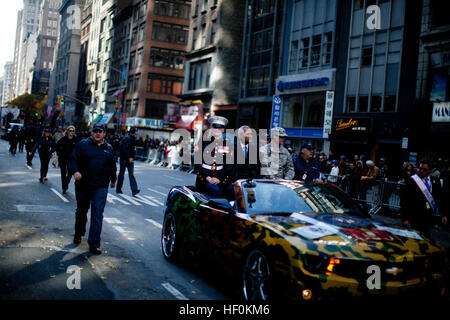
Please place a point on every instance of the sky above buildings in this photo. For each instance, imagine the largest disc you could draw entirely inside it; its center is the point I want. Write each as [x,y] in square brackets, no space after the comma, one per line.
[8,22]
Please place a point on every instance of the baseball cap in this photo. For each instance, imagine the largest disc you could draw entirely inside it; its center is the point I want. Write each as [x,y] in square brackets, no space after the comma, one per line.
[98,127]
[334,161]
[307,146]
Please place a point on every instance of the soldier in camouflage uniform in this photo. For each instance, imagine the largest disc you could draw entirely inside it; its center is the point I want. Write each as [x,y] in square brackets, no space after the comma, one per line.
[276,161]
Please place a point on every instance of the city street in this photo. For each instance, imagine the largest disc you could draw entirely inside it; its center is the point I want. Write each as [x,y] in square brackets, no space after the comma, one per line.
[36,234]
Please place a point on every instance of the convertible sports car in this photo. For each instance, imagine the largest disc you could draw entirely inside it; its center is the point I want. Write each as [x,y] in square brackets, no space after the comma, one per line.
[284,238]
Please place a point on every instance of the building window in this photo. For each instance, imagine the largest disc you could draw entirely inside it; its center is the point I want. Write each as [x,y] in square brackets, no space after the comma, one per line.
[304,53]
[293,56]
[140,57]
[315,50]
[366,59]
[264,7]
[363,103]
[351,104]
[132,60]
[162,84]
[142,33]
[155,109]
[213,32]
[166,58]
[305,110]
[203,42]
[199,74]
[178,8]
[169,33]
[390,102]
[137,80]
[327,45]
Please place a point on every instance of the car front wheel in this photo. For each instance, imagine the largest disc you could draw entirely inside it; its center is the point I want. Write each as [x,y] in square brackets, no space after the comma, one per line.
[256,277]
[169,243]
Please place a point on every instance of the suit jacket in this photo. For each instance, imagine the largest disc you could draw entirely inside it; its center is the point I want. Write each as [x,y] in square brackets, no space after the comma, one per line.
[244,167]
[414,205]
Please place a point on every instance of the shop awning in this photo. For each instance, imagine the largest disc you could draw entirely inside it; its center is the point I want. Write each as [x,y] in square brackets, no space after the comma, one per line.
[105,118]
[98,118]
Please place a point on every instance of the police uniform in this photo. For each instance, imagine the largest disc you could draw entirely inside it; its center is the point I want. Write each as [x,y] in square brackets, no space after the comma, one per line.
[218,149]
[283,167]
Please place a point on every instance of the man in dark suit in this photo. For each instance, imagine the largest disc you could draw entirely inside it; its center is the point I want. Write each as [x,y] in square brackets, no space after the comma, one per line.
[421,201]
[246,151]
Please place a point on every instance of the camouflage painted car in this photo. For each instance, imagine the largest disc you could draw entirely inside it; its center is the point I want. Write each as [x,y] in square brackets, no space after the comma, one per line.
[301,241]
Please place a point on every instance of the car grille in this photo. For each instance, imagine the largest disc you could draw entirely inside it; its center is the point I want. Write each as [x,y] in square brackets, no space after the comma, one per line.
[399,271]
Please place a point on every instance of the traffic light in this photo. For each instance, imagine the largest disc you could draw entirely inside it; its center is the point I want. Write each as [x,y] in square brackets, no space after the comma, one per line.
[36,114]
[62,101]
[117,104]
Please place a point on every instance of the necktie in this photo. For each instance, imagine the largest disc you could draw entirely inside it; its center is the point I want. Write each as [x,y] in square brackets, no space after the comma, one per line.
[427,183]
[245,151]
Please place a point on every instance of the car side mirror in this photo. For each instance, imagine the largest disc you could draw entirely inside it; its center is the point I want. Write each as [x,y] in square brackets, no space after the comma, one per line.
[221,204]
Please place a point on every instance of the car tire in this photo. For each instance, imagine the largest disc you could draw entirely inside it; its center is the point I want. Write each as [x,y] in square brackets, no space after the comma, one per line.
[169,237]
[256,277]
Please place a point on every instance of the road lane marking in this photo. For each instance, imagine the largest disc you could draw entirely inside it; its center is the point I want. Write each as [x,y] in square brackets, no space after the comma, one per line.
[124,232]
[113,220]
[59,195]
[174,291]
[154,200]
[145,201]
[154,223]
[178,179]
[129,198]
[153,190]
[111,198]
[37,208]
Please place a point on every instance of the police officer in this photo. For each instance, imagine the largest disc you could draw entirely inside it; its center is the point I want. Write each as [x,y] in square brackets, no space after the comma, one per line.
[214,172]
[127,156]
[64,148]
[94,167]
[46,146]
[276,161]
[306,167]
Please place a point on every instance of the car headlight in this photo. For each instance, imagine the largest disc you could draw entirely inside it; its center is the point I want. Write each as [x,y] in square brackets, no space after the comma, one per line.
[315,263]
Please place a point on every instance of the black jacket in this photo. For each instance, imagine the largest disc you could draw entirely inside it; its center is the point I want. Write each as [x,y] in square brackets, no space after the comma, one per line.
[414,205]
[307,172]
[246,170]
[65,146]
[95,163]
[127,149]
[45,147]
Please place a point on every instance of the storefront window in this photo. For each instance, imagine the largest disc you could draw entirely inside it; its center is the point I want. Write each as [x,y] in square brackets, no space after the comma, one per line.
[314,108]
[305,111]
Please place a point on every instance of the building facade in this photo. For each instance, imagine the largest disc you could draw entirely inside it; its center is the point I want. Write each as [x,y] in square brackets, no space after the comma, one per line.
[375,87]
[26,33]
[8,80]
[429,117]
[67,61]
[259,61]
[155,70]
[46,42]
[306,84]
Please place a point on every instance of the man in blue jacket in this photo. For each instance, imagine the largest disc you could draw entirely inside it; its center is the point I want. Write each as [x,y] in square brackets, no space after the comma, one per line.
[127,156]
[306,167]
[94,167]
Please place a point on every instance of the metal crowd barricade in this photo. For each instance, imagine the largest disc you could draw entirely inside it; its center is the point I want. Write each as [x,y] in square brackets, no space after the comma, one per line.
[390,195]
[151,156]
[141,154]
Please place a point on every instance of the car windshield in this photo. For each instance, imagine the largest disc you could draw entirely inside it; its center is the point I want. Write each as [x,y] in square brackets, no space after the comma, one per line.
[287,197]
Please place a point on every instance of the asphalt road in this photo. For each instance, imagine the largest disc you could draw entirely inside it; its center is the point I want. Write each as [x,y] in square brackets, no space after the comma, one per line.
[36,233]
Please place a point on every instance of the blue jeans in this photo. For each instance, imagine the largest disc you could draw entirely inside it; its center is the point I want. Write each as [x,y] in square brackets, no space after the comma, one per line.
[96,199]
[125,164]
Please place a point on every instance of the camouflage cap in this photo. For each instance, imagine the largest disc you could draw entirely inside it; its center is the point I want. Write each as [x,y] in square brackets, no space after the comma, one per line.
[278,131]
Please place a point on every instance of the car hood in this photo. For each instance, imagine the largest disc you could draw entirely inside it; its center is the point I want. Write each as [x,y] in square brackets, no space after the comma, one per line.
[348,236]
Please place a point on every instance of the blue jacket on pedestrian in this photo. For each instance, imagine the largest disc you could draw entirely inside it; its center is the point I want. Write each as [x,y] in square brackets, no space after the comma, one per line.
[45,147]
[95,163]
[306,171]
[127,149]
